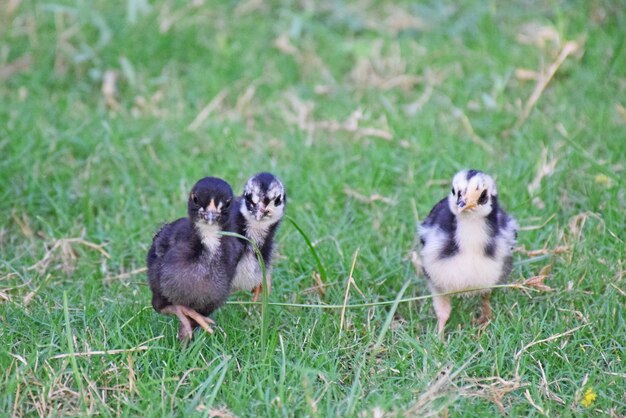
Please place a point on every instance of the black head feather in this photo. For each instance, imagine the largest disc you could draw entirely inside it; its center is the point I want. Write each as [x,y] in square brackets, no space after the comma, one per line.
[210,192]
[471,173]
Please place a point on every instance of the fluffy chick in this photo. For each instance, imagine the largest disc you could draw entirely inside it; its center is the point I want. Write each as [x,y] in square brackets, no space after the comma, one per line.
[467,241]
[190,265]
[258,213]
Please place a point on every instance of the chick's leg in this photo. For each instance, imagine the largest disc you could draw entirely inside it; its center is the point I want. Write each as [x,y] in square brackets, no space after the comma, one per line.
[185,331]
[485,312]
[259,289]
[202,320]
[443,307]
[183,314]
[256,292]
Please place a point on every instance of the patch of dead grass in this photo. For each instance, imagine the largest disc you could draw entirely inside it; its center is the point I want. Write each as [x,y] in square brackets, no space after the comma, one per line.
[62,251]
[546,167]
[383,70]
[299,113]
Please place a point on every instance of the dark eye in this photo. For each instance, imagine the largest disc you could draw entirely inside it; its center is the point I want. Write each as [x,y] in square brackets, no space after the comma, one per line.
[277,201]
[248,197]
[227,204]
[483,198]
[194,199]
[453,191]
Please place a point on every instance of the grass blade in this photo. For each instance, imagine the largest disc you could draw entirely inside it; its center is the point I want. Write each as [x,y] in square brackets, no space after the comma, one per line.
[70,348]
[318,261]
[352,398]
[217,387]
[390,315]
[220,369]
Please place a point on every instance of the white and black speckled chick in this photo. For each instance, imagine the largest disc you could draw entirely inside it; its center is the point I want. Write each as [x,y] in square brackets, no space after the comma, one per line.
[257,214]
[467,241]
[190,265]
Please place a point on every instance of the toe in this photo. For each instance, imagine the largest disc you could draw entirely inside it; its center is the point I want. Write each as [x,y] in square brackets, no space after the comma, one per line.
[185,334]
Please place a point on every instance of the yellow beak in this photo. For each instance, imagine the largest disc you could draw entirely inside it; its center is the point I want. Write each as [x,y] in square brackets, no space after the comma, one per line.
[470,201]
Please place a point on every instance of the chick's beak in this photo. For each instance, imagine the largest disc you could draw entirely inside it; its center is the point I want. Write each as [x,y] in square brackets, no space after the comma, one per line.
[470,201]
[466,205]
[261,211]
[211,213]
[210,216]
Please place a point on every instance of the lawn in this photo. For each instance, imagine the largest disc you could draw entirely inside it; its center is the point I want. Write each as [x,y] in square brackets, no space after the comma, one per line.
[110,111]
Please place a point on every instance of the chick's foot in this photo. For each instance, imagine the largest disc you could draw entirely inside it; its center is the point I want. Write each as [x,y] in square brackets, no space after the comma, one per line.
[184,314]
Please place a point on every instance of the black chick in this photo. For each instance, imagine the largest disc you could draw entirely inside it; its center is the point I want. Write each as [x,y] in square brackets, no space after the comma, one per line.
[258,213]
[190,264]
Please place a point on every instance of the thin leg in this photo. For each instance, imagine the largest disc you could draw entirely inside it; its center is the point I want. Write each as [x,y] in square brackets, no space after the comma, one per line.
[183,313]
[185,331]
[486,312]
[259,289]
[443,307]
[256,292]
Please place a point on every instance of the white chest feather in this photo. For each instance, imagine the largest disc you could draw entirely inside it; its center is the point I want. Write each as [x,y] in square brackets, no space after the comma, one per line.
[257,232]
[209,235]
[248,274]
[472,236]
[469,267]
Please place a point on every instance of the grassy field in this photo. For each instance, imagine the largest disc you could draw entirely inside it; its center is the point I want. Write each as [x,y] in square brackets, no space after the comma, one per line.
[111,110]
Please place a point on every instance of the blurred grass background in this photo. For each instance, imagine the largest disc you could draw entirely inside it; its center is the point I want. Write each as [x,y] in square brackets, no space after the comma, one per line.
[111,110]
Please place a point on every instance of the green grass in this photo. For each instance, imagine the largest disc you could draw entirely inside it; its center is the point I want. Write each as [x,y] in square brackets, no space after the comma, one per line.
[73,166]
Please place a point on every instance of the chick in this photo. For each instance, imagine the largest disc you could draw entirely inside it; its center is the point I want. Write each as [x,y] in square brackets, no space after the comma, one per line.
[258,213]
[467,241]
[190,265]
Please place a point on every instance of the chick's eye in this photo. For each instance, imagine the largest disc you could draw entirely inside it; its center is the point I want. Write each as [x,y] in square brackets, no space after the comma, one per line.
[483,198]
[194,199]
[453,191]
[227,204]
[277,201]
[248,197]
